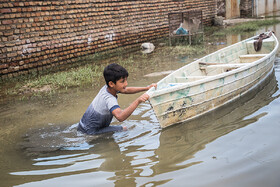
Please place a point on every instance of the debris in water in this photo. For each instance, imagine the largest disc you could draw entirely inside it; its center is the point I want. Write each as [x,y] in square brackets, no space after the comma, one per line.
[147,47]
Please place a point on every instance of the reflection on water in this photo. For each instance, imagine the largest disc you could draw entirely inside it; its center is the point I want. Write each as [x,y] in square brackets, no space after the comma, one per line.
[181,142]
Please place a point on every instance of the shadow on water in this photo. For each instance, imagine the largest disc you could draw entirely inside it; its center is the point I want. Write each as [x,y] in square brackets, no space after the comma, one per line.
[51,138]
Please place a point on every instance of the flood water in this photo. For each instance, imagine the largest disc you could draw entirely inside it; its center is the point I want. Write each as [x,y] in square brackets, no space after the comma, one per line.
[237,145]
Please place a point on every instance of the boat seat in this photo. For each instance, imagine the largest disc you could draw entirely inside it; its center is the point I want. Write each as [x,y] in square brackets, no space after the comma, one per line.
[220,65]
[229,65]
[188,79]
[210,63]
[250,57]
[212,70]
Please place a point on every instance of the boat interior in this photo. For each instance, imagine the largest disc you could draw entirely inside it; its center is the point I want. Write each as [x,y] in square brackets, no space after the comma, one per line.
[226,60]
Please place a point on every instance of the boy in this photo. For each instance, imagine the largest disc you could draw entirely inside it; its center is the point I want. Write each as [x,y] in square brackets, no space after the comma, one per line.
[99,114]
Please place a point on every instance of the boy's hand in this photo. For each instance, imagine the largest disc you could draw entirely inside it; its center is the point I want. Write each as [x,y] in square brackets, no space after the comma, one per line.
[152,85]
[143,98]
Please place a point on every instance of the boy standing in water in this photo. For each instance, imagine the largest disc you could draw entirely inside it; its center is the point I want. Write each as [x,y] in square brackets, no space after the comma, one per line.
[99,114]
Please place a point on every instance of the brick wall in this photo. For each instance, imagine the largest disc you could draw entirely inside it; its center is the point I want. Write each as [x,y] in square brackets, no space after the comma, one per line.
[38,34]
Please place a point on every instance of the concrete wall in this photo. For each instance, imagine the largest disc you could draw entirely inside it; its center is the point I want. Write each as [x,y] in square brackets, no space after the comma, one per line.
[37,34]
[232,9]
[249,8]
[261,7]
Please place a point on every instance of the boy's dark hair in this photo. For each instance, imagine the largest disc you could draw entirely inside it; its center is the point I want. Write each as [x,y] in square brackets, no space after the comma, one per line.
[114,72]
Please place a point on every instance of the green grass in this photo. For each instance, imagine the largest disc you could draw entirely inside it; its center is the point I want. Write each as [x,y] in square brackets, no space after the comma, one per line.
[70,78]
[252,26]
[74,77]
[245,27]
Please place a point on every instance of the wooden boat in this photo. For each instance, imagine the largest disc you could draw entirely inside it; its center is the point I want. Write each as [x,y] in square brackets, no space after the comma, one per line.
[212,81]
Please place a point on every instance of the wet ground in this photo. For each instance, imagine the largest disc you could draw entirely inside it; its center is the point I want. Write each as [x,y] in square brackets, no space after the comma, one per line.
[236,145]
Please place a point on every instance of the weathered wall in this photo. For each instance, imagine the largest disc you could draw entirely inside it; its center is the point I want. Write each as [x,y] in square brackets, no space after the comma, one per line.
[232,9]
[221,8]
[262,7]
[38,34]
[246,8]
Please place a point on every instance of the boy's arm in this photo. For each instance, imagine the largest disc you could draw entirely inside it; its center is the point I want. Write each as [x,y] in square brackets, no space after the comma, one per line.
[122,115]
[132,90]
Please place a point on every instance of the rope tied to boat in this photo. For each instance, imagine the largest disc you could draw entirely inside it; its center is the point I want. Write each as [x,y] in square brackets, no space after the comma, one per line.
[259,39]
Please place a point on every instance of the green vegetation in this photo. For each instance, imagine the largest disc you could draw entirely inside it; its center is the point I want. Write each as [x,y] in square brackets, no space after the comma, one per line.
[78,76]
[252,25]
[244,27]
[73,77]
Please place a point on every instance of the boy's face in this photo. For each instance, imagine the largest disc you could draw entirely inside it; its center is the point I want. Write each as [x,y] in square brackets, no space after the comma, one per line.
[120,85]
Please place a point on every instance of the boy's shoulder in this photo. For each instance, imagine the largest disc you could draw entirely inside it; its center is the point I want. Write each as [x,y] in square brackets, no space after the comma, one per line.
[104,93]
[104,100]
[104,88]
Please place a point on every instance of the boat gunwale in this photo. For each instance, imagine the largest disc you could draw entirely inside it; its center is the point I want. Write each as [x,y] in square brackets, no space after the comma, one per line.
[155,93]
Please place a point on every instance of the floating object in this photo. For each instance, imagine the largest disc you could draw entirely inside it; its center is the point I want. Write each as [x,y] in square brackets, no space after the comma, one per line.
[147,47]
[212,81]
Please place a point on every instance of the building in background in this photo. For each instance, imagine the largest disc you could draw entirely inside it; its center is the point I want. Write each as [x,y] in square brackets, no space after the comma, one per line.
[246,8]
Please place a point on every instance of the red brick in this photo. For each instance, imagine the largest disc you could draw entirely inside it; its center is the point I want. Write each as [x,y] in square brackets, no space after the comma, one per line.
[63,31]
[5,10]
[7,22]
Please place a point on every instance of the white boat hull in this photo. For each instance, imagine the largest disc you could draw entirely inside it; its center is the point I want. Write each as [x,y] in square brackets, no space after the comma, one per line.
[212,81]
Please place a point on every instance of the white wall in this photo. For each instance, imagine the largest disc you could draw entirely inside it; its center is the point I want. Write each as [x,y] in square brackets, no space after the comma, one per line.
[267,7]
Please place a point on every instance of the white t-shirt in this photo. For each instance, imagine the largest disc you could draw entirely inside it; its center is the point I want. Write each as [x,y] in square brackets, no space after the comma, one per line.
[99,113]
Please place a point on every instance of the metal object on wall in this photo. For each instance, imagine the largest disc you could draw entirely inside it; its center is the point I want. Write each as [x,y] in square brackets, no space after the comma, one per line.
[185,24]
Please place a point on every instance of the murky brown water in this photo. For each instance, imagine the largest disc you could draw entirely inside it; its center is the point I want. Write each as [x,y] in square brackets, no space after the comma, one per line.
[236,145]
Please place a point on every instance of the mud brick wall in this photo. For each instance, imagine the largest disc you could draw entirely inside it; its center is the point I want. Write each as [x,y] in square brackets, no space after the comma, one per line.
[39,34]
